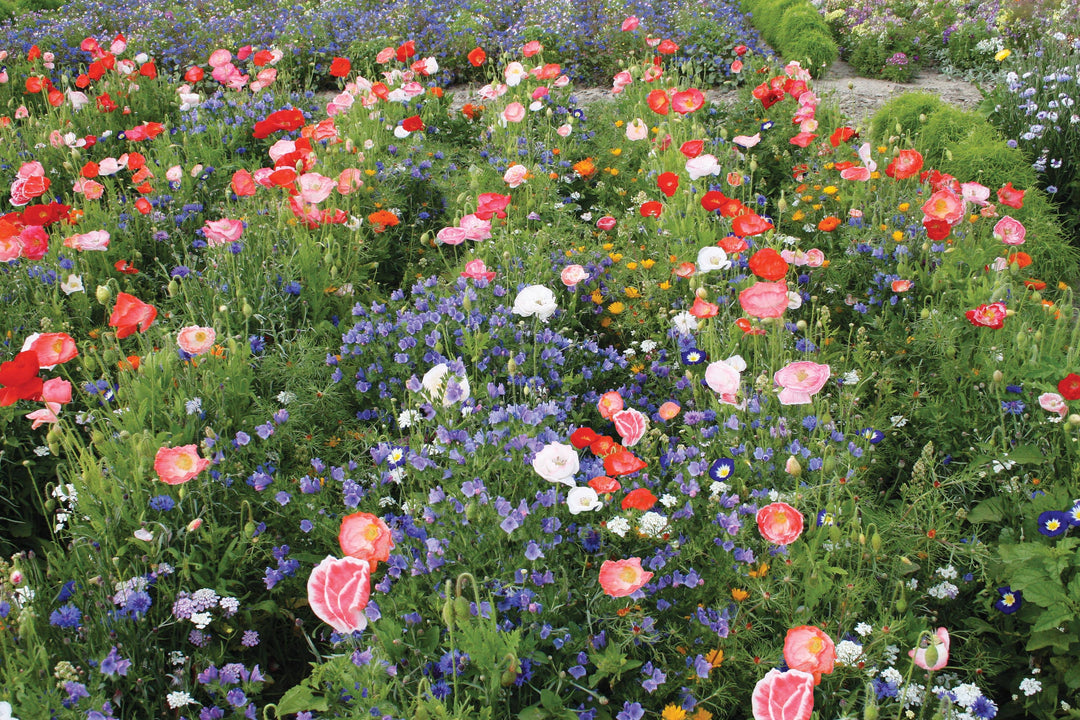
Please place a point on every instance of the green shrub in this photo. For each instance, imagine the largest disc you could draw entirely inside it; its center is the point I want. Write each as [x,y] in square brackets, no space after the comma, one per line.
[905,110]
[816,52]
[946,127]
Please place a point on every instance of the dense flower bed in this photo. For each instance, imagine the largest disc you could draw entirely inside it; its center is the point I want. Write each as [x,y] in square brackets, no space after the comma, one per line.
[368,404]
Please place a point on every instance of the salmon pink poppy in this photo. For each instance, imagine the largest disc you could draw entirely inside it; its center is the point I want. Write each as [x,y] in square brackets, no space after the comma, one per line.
[802,139]
[944,205]
[857,173]
[669,410]
[702,308]
[477,270]
[750,224]
[631,426]
[177,465]
[610,403]
[365,537]
[800,380]
[767,264]
[991,315]
[783,696]
[196,340]
[732,244]
[338,591]
[52,349]
[810,650]
[130,314]
[764,299]
[220,232]
[622,462]
[56,390]
[1010,196]
[620,578]
[243,185]
[907,163]
[780,523]
[899,286]
[19,379]
[935,654]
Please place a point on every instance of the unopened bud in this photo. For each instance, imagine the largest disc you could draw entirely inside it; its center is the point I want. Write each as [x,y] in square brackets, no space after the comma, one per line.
[103,294]
[792,466]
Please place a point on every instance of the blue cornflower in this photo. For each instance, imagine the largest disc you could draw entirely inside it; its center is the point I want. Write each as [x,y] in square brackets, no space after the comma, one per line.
[1013,407]
[984,708]
[163,503]
[66,616]
[1054,522]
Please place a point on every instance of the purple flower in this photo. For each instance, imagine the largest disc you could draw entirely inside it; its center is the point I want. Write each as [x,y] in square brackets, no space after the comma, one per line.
[630,711]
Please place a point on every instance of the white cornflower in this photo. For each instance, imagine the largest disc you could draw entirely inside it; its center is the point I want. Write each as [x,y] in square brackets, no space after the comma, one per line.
[684,322]
[620,526]
[407,418]
[1030,686]
[178,699]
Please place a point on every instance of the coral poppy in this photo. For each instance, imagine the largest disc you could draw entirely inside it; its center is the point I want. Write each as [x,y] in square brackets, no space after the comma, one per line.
[803,139]
[52,349]
[704,309]
[340,67]
[622,462]
[477,56]
[764,299]
[767,264]
[365,537]
[906,164]
[780,523]
[810,650]
[944,205]
[620,578]
[603,484]
[639,499]
[338,591]
[1010,196]
[750,224]
[658,102]
[131,314]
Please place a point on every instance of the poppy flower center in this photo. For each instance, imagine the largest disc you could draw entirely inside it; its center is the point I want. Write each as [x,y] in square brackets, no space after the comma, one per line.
[815,645]
[628,575]
[371,533]
[184,462]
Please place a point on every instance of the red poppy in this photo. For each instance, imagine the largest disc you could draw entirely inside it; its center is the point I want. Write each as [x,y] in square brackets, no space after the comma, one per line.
[412,124]
[131,314]
[44,215]
[652,208]
[125,267]
[604,446]
[622,462]
[659,102]
[19,378]
[148,70]
[288,119]
[34,54]
[768,96]
[477,56]
[380,90]
[105,103]
[803,139]
[768,265]
[668,47]
[1069,387]
[1010,196]
[602,484]
[692,148]
[906,164]
[583,437]
[136,161]
[936,229]
[668,183]
[799,171]
[262,58]
[340,67]
[750,224]
[639,499]
[406,50]
[713,200]
[194,74]
[143,206]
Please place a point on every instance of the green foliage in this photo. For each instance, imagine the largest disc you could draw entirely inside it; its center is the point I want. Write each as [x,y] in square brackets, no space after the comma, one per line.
[947,127]
[909,111]
[796,30]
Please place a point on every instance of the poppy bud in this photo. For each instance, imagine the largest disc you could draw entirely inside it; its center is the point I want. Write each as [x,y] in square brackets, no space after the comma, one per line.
[870,710]
[103,294]
[461,609]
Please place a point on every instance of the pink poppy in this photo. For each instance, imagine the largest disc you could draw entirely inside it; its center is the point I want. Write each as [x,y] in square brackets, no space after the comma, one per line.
[338,591]
[606,223]
[857,173]
[56,390]
[514,112]
[780,523]
[451,236]
[531,48]
[620,578]
[365,537]
[631,426]
[810,650]
[747,141]
[783,696]
[1052,402]
[974,192]
[196,340]
[803,139]
[687,101]
[764,299]
[944,205]
[219,57]
[609,404]
[350,180]
[45,415]
[93,240]
[723,379]
[34,241]
[571,275]
[800,380]
[669,410]
[243,185]
[936,653]
[176,466]
[1010,231]
[630,24]
[314,188]
[515,175]
[701,166]
[991,316]
[220,232]
[475,228]
[477,270]
[488,204]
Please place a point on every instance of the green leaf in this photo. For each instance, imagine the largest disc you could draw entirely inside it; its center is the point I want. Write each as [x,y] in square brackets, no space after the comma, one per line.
[1049,639]
[1027,455]
[1044,594]
[1054,616]
[1072,676]
[298,699]
[988,511]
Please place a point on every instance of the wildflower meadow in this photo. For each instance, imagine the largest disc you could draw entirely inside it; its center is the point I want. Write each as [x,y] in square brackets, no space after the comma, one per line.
[353,368]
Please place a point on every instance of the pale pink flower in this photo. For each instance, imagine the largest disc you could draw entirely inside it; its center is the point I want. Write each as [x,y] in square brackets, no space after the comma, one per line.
[515,175]
[1010,231]
[940,642]
[571,275]
[514,112]
[800,380]
[196,340]
[451,236]
[1054,403]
